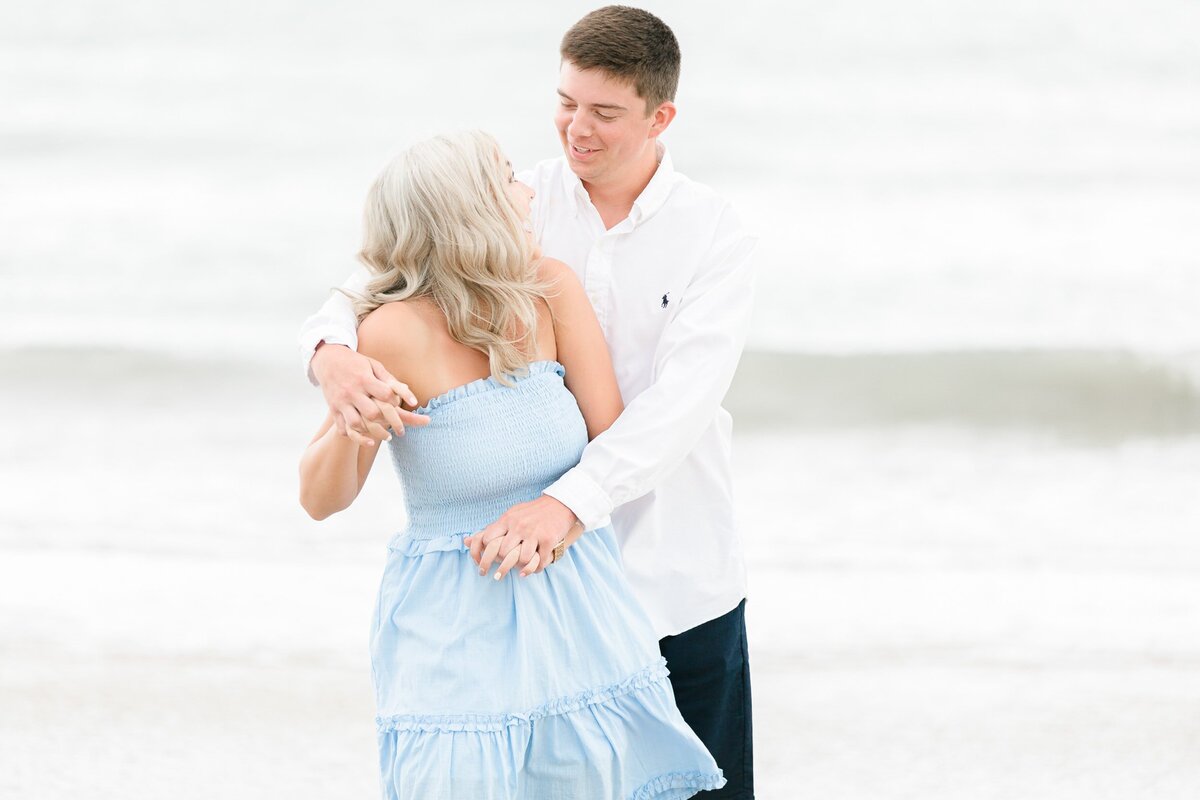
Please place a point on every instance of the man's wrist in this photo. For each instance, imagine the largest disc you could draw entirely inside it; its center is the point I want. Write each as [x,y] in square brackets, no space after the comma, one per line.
[324,345]
[317,361]
[583,496]
[572,518]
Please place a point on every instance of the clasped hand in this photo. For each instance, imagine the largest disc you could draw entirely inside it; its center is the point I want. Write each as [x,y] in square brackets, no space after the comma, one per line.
[364,397]
[524,537]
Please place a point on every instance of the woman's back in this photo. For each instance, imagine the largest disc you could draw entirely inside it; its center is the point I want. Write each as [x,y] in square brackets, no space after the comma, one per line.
[422,351]
[486,448]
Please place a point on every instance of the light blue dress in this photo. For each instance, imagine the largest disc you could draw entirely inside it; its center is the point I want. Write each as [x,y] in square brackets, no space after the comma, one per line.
[550,686]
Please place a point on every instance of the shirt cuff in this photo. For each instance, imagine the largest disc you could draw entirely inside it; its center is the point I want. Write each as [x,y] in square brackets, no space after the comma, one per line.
[582,495]
[329,334]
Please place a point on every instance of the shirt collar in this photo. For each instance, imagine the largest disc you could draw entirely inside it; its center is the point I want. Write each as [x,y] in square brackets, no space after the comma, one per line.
[648,202]
[655,194]
[574,186]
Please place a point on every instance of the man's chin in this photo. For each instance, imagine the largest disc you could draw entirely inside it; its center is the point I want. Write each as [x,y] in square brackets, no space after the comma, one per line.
[582,171]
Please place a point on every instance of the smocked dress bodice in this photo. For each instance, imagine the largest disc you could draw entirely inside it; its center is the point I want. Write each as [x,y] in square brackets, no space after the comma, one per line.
[486,448]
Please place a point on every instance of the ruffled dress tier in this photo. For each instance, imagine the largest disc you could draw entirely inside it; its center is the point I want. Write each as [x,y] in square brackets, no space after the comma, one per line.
[549,686]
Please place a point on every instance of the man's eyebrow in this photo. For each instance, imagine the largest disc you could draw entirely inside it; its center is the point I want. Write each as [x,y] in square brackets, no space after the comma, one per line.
[612,106]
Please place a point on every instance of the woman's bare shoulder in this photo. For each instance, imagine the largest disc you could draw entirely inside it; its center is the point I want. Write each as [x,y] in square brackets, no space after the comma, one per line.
[554,271]
[564,283]
[395,331]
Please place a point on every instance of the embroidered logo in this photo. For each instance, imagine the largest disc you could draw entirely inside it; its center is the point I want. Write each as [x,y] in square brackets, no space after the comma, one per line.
[666,299]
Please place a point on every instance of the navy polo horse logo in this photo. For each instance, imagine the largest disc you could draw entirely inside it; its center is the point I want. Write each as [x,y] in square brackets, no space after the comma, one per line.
[666,298]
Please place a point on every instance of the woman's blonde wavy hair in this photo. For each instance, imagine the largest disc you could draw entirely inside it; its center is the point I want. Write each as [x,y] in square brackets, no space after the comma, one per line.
[439,223]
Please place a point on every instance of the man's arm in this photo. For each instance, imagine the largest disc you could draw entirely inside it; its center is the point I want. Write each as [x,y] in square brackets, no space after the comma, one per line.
[334,323]
[362,395]
[694,365]
[583,351]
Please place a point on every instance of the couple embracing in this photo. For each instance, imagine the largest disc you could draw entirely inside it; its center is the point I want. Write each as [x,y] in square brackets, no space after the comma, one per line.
[544,355]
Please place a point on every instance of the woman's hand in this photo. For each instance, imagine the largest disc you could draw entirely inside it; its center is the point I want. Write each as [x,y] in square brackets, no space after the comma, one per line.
[524,537]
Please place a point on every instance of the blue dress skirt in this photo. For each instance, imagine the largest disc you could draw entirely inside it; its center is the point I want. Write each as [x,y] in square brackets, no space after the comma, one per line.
[550,686]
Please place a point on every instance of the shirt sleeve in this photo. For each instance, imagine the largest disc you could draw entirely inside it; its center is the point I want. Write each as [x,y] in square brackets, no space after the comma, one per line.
[334,323]
[694,364]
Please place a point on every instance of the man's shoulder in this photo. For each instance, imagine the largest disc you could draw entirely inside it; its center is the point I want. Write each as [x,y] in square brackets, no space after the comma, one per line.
[693,192]
[701,204]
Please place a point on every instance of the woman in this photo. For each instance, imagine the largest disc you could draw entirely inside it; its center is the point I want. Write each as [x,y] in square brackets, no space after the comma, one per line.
[547,684]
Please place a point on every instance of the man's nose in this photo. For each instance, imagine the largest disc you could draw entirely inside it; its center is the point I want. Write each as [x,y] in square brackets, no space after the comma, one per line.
[579,126]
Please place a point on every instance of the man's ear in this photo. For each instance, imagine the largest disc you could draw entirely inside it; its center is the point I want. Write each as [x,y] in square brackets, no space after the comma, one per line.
[661,119]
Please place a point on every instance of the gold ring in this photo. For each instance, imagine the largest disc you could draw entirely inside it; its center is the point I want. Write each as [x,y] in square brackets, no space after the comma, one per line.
[558,550]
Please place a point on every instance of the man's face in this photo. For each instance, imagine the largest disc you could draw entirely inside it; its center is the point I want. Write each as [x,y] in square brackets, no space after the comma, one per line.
[601,123]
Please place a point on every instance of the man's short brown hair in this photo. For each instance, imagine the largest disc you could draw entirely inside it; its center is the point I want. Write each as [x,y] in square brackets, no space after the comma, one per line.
[629,44]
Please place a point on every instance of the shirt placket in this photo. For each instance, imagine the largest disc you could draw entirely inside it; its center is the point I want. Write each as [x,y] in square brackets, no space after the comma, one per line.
[597,280]
[598,283]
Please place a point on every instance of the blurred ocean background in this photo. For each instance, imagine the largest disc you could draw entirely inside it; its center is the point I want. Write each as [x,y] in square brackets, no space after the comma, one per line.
[967,427]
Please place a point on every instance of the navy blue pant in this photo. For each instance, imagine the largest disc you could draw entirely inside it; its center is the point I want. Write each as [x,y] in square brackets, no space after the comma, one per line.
[710,675]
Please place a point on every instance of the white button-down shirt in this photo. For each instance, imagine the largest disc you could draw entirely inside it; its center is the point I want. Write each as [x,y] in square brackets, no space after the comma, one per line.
[672,286]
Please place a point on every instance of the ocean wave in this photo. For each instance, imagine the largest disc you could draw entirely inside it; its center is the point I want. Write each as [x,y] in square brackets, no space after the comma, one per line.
[1100,395]
[1097,395]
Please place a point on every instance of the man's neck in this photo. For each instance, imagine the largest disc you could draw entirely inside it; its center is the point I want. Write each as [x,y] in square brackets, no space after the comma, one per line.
[615,200]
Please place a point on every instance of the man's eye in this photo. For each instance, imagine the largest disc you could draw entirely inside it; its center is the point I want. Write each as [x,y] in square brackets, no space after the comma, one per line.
[606,119]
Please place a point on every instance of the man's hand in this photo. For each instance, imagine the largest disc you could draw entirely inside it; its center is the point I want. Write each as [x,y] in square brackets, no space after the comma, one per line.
[524,537]
[363,396]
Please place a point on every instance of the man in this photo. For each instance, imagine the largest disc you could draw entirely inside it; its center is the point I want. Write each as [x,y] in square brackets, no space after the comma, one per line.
[667,267]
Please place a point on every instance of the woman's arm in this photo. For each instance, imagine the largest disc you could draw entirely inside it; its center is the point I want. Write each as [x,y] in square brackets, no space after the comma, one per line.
[350,381]
[582,349]
[334,468]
